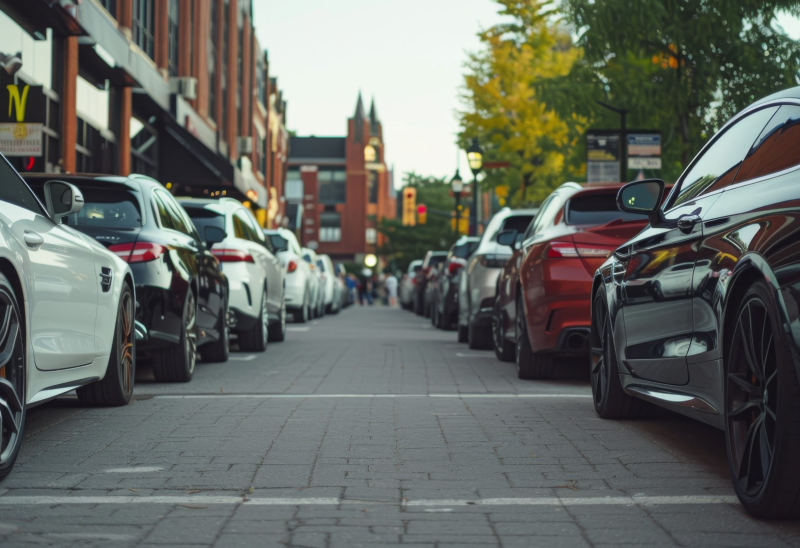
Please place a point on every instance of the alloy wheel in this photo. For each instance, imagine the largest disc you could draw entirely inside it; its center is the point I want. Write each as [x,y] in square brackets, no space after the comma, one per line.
[191,334]
[520,326]
[600,341]
[12,379]
[752,385]
[126,357]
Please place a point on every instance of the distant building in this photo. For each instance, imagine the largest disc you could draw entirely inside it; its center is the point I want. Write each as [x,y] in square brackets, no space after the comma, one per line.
[341,188]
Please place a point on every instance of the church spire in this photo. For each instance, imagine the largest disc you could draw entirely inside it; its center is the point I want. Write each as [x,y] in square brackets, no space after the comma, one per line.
[373,119]
[359,120]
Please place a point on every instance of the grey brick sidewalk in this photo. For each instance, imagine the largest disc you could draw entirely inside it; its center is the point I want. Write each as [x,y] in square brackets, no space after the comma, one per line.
[337,461]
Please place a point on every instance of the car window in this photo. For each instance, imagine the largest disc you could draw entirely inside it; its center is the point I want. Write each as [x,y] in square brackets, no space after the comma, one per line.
[278,242]
[517,222]
[202,217]
[776,149]
[109,207]
[596,209]
[14,190]
[163,212]
[179,222]
[437,260]
[718,165]
[255,229]
[241,228]
[547,213]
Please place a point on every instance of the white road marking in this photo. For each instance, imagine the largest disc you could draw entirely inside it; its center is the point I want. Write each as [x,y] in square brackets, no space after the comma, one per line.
[361,396]
[249,358]
[133,470]
[334,501]
[298,329]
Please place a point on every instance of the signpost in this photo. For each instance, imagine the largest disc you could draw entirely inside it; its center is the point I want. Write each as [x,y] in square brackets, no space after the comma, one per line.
[22,121]
[607,161]
[602,161]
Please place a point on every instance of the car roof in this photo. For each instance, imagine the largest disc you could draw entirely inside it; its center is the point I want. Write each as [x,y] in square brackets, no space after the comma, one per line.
[77,178]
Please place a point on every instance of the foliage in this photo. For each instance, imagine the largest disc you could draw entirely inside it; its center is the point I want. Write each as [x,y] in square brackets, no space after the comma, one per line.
[407,243]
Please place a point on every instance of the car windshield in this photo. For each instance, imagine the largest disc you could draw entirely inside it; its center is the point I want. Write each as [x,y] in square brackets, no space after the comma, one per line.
[462,251]
[436,260]
[202,217]
[105,207]
[596,210]
[278,242]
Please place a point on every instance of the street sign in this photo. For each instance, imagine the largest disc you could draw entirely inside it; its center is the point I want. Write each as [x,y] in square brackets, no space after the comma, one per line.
[644,150]
[602,149]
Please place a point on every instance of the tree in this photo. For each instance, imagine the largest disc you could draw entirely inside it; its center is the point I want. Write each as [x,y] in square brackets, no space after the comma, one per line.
[686,66]
[504,100]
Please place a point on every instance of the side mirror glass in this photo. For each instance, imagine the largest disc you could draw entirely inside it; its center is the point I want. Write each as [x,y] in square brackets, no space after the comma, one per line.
[62,199]
[213,235]
[643,198]
[507,238]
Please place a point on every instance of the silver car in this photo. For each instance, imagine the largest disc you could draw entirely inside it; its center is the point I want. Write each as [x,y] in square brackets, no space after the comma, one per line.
[477,288]
[407,285]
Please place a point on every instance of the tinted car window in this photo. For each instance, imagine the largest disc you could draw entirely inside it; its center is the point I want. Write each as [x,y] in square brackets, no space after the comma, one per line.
[777,148]
[718,165]
[179,223]
[103,207]
[596,209]
[462,251]
[518,223]
[163,212]
[202,217]
[278,242]
[13,190]
[437,260]
[547,213]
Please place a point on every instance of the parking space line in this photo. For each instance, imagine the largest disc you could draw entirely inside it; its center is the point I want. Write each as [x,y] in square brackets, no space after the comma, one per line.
[133,470]
[49,500]
[362,396]
[297,329]
[249,358]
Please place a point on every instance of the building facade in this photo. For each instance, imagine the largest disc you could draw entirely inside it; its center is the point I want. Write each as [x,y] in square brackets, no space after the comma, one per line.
[338,188]
[178,90]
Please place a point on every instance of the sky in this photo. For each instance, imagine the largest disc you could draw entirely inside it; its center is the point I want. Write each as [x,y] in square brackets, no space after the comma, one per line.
[407,54]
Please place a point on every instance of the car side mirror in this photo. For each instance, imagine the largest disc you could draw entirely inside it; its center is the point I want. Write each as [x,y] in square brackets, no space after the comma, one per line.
[507,238]
[62,199]
[642,198]
[213,235]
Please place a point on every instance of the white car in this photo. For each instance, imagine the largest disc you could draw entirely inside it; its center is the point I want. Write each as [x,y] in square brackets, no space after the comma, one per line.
[75,302]
[331,285]
[300,280]
[255,276]
[317,293]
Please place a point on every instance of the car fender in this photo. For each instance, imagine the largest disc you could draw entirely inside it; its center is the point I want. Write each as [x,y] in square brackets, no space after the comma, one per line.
[108,301]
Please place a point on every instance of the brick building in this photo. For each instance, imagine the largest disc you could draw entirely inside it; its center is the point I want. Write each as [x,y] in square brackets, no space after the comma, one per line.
[338,188]
[176,89]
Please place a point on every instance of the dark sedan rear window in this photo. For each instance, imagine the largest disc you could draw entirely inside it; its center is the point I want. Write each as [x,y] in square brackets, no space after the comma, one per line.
[462,251]
[517,222]
[597,210]
[116,207]
[278,242]
[202,217]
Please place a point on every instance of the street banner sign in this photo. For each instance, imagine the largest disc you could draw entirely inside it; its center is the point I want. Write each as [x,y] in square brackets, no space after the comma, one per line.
[602,163]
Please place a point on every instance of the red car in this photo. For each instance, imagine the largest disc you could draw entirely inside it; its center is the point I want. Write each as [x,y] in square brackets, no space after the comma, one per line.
[544,291]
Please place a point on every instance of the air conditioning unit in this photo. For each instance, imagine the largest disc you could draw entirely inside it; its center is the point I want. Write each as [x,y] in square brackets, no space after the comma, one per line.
[245,145]
[185,86]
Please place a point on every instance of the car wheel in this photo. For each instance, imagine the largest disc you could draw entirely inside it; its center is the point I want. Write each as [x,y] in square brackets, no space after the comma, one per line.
[762,411]
[530,364]
[13,369]
[277,331]
[479,338]
[503,348]
[176,363]
[610,400]
[255,339]
[116,388]
[219,350]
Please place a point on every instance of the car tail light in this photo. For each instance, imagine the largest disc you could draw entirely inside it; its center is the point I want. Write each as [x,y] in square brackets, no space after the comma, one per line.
[292,266]
[226,255]
[454,267]
[565,250]
[140,252]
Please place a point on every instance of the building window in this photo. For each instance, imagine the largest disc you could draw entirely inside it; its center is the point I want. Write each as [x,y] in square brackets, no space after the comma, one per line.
[294,186]
[212,61]
[143,25]
[92,103]
[240,75]
[226,23]
[173,36]
[144,148]
[111,6]
[330,227]
[372,236]
[261,80]
[372,182]
[332,186]
[95,150]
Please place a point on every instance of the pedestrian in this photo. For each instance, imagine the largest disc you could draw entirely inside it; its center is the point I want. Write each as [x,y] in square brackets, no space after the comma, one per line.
[390,284]
[365,287]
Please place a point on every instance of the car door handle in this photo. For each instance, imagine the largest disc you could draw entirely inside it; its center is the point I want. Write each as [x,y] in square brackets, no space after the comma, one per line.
[687,222]
[32,238]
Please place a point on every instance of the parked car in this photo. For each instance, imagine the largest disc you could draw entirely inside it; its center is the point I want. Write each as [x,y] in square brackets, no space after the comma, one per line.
[429,264]
[545,290]
[477,288]
[341,277]
[299,280]
[66,308]
[725,350]
[181,292]
[407,284]
[445,298]
[331,290]
[255,276]
[317,285]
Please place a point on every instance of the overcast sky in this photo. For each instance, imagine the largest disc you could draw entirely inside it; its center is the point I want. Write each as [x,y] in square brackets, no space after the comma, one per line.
[408,54]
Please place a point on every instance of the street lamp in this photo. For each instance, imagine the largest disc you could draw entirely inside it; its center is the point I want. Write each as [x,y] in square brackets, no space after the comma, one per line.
[457,186]
[475,159]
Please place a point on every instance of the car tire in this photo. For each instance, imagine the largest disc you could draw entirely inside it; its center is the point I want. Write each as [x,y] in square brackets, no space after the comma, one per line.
[13,385]
[463,333]
[176,363]
[116,388]
[219,350]
[419,308]
[762,409]
[503,348]
[610,400]
[479,338]
[277,331]
[530,365]
[255,339]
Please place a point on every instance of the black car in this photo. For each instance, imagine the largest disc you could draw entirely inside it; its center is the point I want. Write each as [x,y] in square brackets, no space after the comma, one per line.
[445,295]
[700,312]
[181,292]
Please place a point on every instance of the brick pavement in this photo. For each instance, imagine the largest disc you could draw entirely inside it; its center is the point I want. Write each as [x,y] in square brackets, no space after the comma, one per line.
[175,469]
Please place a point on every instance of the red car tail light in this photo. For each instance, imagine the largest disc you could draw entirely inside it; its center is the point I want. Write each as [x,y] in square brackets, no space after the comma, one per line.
[594,251]
[140,252]
[565,250]
[232,256]
[291,267]
[561,250]
[454,267]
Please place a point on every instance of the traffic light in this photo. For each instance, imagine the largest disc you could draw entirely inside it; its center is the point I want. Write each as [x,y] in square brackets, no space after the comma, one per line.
[422,214]
[409,206]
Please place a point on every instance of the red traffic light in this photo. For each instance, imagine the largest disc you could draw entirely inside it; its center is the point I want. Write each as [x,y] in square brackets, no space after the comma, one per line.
[409,195]
[422,209]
